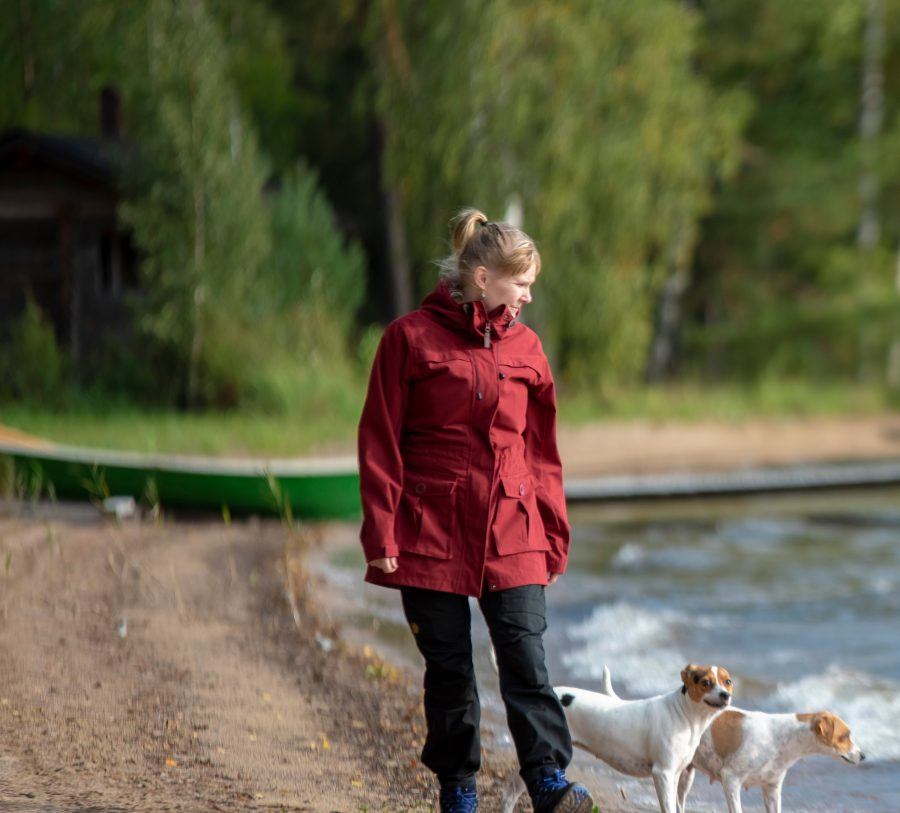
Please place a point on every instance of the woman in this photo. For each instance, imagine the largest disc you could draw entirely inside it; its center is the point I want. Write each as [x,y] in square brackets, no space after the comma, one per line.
[462,496]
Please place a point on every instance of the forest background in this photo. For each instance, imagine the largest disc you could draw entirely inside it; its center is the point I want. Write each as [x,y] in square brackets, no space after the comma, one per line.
[714,187]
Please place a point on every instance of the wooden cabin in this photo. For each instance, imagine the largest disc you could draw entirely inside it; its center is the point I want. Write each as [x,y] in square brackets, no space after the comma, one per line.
[60,242]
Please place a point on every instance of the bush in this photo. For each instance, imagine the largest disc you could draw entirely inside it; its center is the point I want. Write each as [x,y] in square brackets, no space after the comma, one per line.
[317,277]
[32,367]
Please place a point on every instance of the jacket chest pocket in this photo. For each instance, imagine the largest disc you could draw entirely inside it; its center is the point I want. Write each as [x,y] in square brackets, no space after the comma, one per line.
[429,515]
[441,386]
[517,524]
[517,378]
[446,364]
[525,369]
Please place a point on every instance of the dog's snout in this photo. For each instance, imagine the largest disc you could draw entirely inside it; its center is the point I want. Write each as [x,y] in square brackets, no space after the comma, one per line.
[724,695]
[862,756]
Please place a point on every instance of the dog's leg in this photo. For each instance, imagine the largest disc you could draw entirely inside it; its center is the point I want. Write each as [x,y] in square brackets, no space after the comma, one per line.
[666,783]
[685,781]
[512,790]
[772,796]
[731,784]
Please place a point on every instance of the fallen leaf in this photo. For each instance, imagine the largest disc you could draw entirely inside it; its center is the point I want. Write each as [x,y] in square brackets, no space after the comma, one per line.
[171,762]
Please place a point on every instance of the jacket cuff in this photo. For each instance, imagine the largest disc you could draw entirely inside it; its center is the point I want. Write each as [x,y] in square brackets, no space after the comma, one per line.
[556,564]
[380,551]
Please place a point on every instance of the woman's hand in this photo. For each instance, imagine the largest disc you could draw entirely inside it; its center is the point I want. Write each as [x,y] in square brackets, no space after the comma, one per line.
[388,565]
[551,578]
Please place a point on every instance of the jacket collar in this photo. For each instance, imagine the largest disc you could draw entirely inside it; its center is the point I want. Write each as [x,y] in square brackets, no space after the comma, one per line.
[468,316]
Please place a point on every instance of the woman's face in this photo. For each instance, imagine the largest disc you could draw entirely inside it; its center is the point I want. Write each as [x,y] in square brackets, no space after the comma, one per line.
[502,289]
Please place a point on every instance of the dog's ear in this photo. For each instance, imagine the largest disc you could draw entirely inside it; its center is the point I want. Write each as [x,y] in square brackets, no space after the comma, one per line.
[686,673]
[823,725]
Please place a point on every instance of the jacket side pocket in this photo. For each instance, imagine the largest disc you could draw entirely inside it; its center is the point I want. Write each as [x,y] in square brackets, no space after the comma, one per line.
[517,524]
[430,505]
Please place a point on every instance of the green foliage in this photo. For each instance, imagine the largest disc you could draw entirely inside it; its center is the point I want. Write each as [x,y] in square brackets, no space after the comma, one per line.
[32,367]
[780,286]
[197,212]
[261,70]
[637,136]
[40,72]
[319,276]
[590,114]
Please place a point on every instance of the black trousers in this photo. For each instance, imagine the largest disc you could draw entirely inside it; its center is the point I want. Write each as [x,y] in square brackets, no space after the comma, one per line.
[516,619]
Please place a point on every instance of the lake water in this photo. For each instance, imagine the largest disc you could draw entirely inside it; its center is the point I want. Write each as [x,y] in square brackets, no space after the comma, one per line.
[798,597]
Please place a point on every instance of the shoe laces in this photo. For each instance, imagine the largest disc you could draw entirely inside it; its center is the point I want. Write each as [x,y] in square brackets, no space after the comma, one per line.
[459,800]
[551,783]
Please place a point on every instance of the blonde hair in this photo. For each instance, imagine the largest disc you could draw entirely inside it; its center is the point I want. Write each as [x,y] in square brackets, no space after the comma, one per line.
[478,241]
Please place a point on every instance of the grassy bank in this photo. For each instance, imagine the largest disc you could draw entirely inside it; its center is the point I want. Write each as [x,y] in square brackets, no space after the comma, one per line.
[328,424]
[729,402]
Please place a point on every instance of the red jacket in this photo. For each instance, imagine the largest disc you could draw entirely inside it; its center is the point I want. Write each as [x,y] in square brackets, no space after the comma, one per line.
[459,471]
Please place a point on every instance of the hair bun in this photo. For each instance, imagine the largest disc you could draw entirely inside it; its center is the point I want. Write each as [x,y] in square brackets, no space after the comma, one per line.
[465,225]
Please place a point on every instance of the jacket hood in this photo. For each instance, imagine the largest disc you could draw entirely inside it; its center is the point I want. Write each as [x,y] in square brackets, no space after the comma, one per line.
[468,316]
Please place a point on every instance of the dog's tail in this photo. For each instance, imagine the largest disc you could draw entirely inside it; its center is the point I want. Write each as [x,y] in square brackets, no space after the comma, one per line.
[607,688]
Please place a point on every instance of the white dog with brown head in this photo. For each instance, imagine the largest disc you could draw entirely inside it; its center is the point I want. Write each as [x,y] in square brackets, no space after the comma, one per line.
[651,737]
[752,748]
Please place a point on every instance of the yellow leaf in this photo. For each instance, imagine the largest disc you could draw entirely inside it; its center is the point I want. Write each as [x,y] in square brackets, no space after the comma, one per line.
[171,762]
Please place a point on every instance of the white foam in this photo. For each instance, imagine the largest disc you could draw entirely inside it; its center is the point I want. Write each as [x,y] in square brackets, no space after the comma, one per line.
[629,556]
[635,643]
[870,706]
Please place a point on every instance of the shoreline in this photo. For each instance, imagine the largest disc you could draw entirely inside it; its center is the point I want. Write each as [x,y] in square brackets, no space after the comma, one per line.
[649,447]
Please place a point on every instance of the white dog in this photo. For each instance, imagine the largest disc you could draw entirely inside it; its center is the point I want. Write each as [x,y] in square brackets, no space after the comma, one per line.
[653,737]
[750,748]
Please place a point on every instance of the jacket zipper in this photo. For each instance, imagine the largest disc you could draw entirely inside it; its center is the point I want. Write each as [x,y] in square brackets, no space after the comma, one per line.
[487,344]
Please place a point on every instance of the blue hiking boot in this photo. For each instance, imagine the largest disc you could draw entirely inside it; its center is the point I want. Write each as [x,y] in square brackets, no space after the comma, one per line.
[459,798]
[555,794]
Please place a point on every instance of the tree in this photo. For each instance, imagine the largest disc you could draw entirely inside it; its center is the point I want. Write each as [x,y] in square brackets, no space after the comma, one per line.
[198,212]
[320,277]
[781,285]
[588,112]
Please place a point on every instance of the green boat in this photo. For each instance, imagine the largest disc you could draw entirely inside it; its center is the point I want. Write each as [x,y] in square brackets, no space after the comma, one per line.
[303,488]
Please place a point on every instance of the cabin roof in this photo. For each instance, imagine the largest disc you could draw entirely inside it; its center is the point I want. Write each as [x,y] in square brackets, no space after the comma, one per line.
[96,160]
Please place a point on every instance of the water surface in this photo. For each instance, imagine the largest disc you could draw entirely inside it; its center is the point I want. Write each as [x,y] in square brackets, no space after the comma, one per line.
[797,596]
